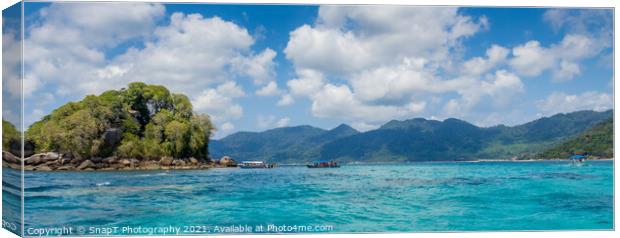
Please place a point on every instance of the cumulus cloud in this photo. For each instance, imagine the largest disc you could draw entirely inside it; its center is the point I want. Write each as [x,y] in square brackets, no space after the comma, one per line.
[495,55]
[559,102]
[11,76]
[224,129]
[376,36]
[267,122]
[499,88]
[371,64]
[589,33]
[195,52]
[596,23]
[532,59]
[219,104]
[259,67]
[11,64]
[188,54]
[270,89]
[71,38]
[284,121]
[96,24]
[286,100]
[307,83]
[368,64]
[397,82]
[337,101]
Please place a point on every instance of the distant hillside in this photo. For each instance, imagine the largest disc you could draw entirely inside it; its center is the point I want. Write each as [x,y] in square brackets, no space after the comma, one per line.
[288,144]
[410,140]
[597,141]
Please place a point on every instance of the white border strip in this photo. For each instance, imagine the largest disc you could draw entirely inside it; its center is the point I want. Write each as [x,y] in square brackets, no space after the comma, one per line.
[474,3]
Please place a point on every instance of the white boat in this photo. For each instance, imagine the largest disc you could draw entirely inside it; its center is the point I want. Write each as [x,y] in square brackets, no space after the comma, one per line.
[255,165]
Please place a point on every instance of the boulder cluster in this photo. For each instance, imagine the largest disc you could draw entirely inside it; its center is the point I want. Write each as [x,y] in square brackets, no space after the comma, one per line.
[52,161]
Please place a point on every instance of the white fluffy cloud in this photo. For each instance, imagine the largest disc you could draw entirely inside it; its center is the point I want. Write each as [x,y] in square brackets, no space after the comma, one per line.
[270,89]
[378,35]
[11,71]
[308,82]
[596,23]
[96,24]
[71,38]
[225,128]
[368,64]
[589,34]
[531,59]
[398,82]
[259,67]
[286,100]
[268,122]
[11,61]
[559,102]
[339,102]
[499,88]
[495,55]
[194,53]
[219,104]
[284,121]
[371,64]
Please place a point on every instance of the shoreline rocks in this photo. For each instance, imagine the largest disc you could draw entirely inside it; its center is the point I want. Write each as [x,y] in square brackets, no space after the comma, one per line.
[226,161]
[52,161]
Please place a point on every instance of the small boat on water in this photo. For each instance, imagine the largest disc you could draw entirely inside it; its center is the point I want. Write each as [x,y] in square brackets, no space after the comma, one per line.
[255,165]
[324,164]
[578,159]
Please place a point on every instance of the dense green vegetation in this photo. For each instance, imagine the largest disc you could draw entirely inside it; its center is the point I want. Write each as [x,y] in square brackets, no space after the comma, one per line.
[288,144]
[9,134]
[597,141]
[410,140]
[140,121]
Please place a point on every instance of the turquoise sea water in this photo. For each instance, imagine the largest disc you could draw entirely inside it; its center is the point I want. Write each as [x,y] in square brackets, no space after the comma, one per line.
[452,196]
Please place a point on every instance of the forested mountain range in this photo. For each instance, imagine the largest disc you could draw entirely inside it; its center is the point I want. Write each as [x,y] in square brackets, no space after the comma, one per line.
[410,140]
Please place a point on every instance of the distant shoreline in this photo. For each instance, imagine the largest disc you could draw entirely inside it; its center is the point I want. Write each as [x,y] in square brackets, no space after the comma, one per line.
[52,161]
[445,161]
[537,160]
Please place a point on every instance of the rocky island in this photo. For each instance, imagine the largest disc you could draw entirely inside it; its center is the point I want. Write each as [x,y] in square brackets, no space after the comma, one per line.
[141,127]
[52,161]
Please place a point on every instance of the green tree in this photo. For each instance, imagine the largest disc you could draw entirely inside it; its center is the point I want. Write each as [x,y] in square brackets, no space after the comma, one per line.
[182,106]
[201,129]
[80,130]
[131,147]
[9,134]
[177,134]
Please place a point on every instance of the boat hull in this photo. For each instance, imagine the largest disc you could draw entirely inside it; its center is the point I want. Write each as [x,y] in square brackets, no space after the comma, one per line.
[320,167]
[256,166]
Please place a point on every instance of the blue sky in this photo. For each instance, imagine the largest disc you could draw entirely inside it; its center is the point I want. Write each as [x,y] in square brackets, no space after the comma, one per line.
[257,67]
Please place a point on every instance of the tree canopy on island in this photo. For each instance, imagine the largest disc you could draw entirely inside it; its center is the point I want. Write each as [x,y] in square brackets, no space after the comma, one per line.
[140,121]
[9,134]
[596,141]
